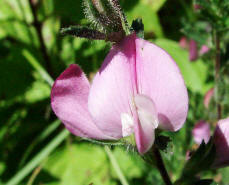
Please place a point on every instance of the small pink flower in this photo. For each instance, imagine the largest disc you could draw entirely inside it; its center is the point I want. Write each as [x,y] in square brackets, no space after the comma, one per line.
[138,89]
[203,50]
[191,45]
[221,140]
[201,131]
[208,96]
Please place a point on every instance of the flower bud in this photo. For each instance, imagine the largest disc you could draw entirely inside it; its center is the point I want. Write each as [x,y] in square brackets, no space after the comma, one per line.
[183,42]
[197,7]
[201,131]
[208,97]
[203,50]
[221,140]
[193,50]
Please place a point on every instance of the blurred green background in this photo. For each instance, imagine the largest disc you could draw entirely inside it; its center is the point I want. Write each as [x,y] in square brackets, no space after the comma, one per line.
[32,54]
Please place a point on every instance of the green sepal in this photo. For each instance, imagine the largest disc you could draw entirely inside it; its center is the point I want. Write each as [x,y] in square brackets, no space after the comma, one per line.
[127,142]
[138,27]
[164,143]
[200,161]
[83,32]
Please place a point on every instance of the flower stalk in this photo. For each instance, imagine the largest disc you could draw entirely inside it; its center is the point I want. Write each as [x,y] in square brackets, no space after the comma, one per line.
[38,27]
[217,70]
[161,166]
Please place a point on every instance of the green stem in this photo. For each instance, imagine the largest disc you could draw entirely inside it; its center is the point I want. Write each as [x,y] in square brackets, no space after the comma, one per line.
[52,127]
[116,166]
[34,175]
[16,179]
[36,65]
[38,27]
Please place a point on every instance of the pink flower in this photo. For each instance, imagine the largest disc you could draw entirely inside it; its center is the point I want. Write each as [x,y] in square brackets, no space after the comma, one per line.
[201,131]
[221,140]
[138,89]
[203,50]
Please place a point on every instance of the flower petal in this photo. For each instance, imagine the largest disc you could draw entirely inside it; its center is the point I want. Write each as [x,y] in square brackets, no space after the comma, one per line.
[113,87]
[159,77]
[69,98]
[221,140]
[146,123]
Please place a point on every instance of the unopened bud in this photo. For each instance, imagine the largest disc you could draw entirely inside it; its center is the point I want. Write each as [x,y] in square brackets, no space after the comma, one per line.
[197,7]
[201,132]
[193,50]
[203,50]
[183,42]
[208,96]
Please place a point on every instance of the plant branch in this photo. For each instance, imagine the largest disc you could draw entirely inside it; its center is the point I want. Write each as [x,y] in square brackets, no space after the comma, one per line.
[161,166]
[217,69]
[38,27]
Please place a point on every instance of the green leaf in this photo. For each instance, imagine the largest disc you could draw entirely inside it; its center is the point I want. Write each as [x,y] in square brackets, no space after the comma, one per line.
[154,5]
[83,163]
[50,30]
[38,91]
[201,160]
[80,164]
[74,11]
[194,73]
[33,163]
[15,20]
[132,167]
[15,74]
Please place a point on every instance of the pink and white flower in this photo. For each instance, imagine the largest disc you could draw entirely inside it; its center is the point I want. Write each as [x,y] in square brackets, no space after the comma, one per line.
[201,132]
[138,89]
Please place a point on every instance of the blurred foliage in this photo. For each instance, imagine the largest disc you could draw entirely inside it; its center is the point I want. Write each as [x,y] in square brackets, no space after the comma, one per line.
[25,113]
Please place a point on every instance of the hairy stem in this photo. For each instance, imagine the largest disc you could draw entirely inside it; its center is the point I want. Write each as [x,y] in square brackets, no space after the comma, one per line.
[38,26]
[161,166]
